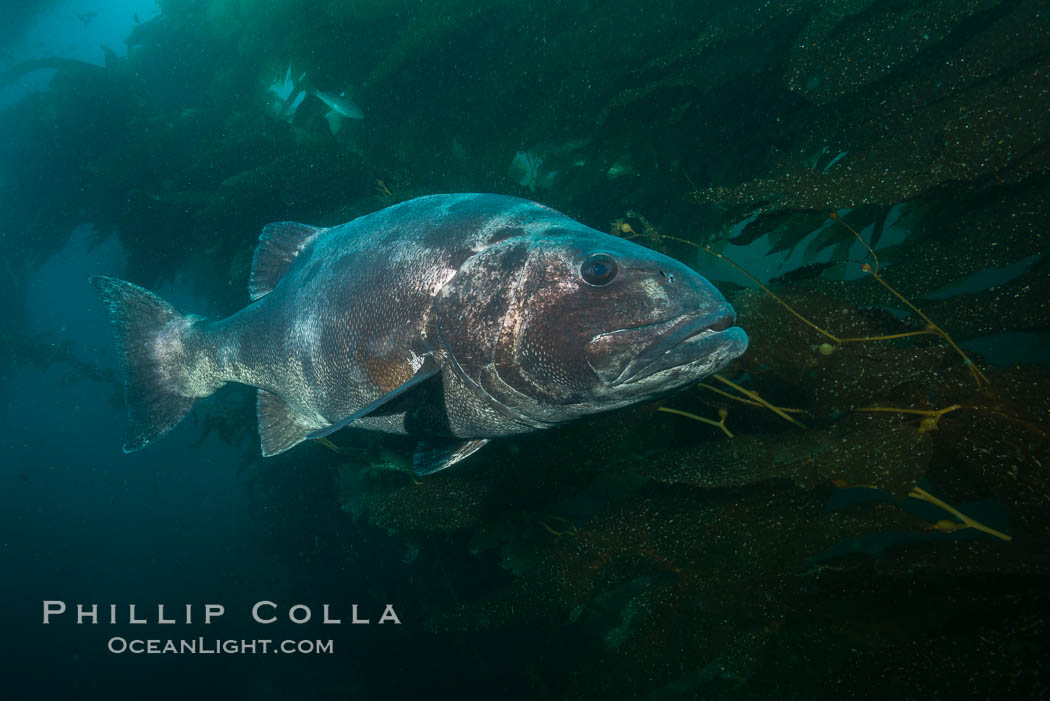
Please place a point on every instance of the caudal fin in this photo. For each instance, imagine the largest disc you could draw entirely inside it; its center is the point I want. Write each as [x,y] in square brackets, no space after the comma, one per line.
[139,317]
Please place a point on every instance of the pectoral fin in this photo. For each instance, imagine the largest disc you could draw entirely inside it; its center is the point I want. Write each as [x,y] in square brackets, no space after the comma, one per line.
[428,369]
[431,457]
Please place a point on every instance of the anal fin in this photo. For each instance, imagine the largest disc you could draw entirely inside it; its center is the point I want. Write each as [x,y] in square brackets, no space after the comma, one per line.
[434,456]
[280,427]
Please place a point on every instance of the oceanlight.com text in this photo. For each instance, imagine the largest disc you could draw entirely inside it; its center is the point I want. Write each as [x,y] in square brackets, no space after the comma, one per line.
[215,646]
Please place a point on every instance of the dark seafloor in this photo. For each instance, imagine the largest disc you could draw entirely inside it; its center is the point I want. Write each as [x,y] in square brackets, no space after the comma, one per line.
[635,555]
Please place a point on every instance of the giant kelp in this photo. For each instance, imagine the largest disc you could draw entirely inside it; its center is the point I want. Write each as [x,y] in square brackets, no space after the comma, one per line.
[687,560]
[732,104]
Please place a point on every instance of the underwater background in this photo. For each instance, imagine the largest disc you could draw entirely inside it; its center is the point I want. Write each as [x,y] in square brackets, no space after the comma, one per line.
[881,170]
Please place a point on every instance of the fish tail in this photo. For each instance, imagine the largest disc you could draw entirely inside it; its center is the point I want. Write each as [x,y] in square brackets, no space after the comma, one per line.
[149,334]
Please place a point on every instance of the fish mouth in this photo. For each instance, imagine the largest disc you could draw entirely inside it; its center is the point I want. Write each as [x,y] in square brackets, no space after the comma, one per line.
[683,340]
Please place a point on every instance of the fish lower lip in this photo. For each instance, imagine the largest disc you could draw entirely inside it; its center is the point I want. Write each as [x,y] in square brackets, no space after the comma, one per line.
[685,328]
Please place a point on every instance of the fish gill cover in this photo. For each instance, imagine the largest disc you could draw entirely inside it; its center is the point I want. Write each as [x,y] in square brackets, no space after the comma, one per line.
[879,168]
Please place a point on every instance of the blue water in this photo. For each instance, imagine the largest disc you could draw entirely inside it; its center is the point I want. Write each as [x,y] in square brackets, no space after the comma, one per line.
[635,553]
[58,31]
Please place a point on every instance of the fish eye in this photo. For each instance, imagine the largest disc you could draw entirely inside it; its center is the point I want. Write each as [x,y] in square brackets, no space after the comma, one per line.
[599,269]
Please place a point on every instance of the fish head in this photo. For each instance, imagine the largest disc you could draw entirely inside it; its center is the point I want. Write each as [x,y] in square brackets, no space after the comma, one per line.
[571,321]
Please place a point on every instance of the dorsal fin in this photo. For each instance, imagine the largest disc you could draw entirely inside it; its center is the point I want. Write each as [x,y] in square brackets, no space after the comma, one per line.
[279,244]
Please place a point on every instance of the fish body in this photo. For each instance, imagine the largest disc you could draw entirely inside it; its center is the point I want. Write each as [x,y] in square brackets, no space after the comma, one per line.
[454,318]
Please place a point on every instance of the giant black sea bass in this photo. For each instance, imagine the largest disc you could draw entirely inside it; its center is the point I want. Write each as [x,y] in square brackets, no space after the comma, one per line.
[453,318]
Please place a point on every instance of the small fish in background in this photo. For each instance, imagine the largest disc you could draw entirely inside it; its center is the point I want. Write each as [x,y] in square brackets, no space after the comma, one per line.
[541,165]
[288,96]
[340,105]
[341,108]
[453,318]
[86,17]
[620,168]
[111,59]
[458,152]
[526,170]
